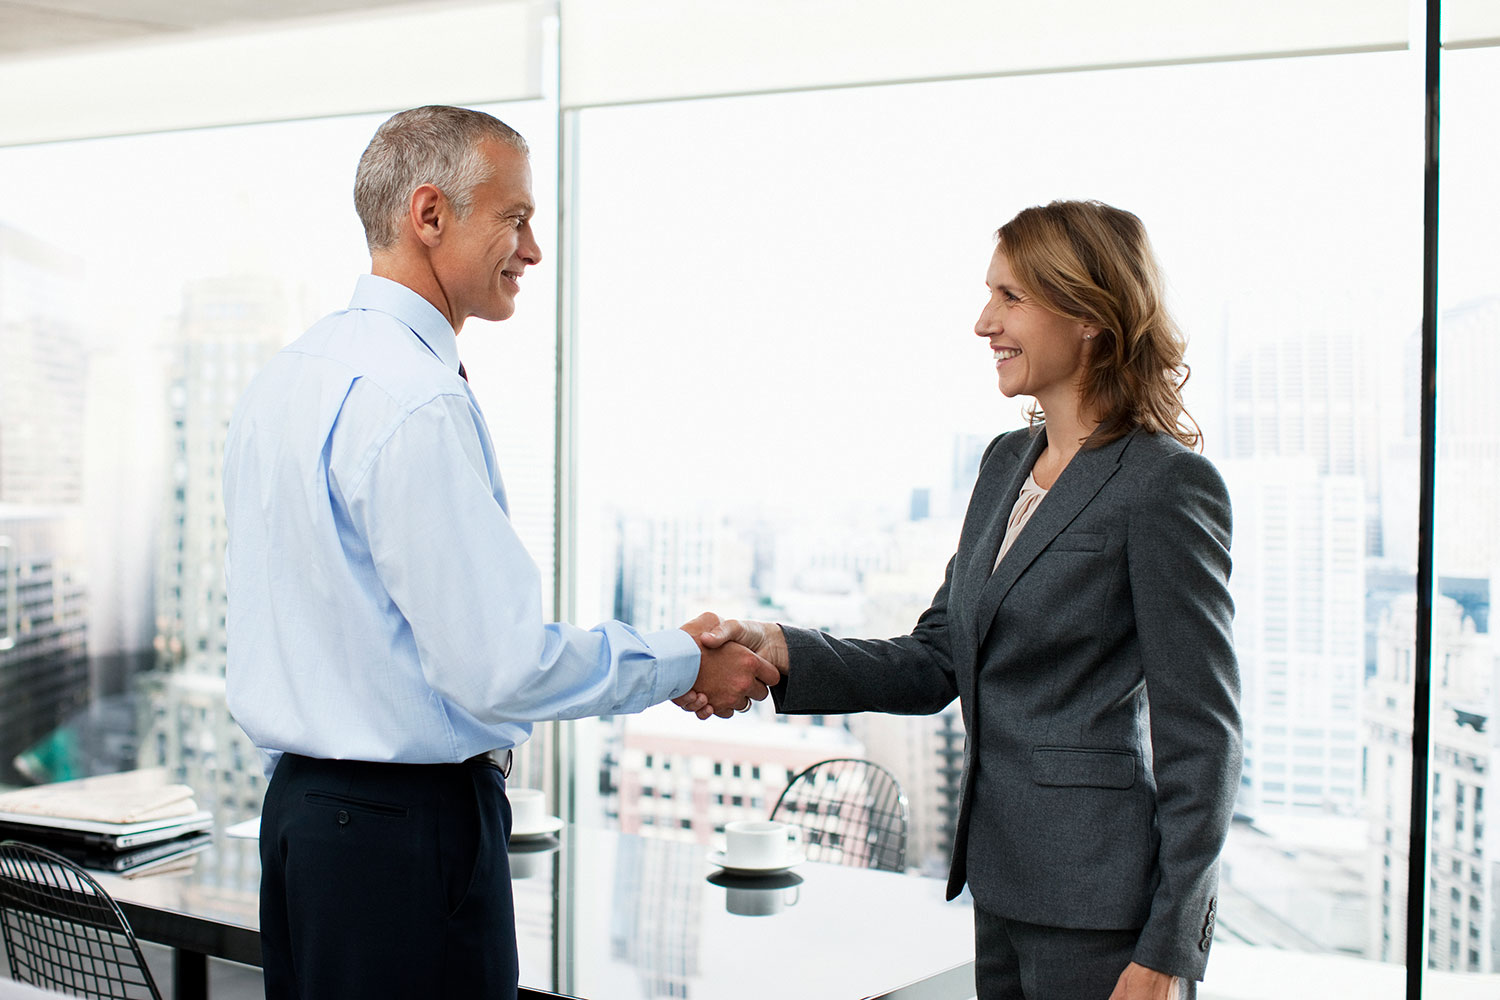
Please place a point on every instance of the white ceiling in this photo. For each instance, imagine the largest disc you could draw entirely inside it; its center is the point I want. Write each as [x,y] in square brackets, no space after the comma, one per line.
[29,27]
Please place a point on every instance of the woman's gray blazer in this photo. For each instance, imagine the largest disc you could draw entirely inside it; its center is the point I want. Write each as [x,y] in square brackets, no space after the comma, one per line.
[1096,673]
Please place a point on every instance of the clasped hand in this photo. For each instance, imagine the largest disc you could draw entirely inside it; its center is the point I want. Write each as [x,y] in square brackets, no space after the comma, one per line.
[740,660]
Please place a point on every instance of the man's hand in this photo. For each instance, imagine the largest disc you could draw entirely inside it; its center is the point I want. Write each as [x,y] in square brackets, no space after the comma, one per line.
[1140,983]
[696,701]
[763,638]
[730,676]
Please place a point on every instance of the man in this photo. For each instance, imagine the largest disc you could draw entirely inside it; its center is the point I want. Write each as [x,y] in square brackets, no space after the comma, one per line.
[385,627]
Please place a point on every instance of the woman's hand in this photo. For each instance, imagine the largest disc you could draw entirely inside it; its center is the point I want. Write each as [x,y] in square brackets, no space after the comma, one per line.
[765,638]
[1140,983]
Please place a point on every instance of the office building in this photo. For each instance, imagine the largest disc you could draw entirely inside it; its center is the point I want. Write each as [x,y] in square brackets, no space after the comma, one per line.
[1311,394]
[229,328]
[1463,840]
[1467,532]
[42,373]
[44,674]
[1298,588]
[1466,536]
[670,568]
[672,776]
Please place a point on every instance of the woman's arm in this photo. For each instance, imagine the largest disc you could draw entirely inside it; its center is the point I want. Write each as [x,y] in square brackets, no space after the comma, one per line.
[824,675]
[1178,552]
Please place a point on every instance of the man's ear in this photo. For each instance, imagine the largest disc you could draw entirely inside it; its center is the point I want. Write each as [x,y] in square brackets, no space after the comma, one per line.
[427,214]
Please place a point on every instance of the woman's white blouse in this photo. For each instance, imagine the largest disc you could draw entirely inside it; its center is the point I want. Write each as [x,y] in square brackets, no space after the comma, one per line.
[1026,505]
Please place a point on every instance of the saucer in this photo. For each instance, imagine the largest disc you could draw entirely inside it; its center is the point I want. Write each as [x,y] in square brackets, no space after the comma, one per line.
[534,845]
[725,879]
[722,860]
[545,828]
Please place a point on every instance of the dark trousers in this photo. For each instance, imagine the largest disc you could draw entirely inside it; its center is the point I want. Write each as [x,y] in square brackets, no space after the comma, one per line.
[386,881]
[1020,961]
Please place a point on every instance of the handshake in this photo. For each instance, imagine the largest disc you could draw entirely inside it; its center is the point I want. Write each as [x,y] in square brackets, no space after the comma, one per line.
[740,662]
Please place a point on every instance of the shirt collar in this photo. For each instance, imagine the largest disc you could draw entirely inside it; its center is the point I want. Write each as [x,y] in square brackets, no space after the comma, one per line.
[431,327]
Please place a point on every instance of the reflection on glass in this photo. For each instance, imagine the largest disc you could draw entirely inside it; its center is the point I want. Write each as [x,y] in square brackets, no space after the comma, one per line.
[44,677]
[655,919]
[761,896]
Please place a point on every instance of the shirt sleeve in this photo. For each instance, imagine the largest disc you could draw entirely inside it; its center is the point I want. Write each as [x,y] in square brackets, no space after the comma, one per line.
[469,595]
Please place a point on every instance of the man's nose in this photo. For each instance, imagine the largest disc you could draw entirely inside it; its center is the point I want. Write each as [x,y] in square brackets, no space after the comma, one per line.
[531,251]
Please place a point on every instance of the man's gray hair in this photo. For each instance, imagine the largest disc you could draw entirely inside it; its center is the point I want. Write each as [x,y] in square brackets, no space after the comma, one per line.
[435,145]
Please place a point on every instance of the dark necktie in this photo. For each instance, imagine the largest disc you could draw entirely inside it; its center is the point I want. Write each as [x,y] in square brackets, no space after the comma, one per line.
[461,373]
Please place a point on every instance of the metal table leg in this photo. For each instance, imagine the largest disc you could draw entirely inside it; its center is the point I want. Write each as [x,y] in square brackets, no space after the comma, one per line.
[189,975]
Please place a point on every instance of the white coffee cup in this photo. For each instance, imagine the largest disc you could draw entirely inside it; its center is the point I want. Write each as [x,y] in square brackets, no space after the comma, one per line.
[760,902]
[760,843]
[528,808]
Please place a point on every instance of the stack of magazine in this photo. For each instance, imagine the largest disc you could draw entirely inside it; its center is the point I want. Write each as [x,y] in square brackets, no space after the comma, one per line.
[130,823]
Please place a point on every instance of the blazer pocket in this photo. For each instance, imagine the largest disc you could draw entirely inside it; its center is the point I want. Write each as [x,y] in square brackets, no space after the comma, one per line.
[1078,541]
[1075,767]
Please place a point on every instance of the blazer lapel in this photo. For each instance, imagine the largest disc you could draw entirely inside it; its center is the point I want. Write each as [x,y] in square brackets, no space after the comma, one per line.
[996,494]
[1079,483]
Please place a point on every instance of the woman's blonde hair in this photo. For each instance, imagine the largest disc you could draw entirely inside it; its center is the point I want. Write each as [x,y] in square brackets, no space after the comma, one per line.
[1093,263]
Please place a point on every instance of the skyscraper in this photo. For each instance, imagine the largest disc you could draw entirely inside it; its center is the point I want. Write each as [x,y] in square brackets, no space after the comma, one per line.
[44,674]
[1466,538]
[42,374]
[1313,395]
[1464,843]
[672,567]
[1298,587]
[1467,532]
[1304,450]
[229,329]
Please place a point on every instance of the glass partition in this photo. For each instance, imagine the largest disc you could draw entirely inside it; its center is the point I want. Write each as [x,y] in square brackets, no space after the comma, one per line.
[782,403]
[1463,912]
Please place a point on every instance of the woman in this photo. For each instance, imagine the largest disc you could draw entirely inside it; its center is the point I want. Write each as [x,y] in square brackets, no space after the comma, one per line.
[1084,624]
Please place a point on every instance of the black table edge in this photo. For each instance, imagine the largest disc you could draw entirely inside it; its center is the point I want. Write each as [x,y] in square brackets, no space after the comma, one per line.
[193,933]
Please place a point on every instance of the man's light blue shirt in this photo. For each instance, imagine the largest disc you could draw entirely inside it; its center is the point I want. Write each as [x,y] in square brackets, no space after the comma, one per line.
[381,606]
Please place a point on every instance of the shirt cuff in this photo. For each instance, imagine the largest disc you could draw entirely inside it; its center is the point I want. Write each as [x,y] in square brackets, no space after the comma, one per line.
[676,663]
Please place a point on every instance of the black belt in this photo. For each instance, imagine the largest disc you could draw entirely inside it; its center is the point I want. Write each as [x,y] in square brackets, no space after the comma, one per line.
[500,760]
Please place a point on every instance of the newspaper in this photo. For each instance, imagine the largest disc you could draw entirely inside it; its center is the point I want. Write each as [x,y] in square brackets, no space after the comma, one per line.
[128,797]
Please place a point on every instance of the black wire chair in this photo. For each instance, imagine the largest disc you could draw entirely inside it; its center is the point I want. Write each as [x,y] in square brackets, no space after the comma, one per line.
[63,932]
[852,812]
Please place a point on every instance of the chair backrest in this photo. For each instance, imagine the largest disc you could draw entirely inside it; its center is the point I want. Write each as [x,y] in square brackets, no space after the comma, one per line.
[851,812]
[63,932]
